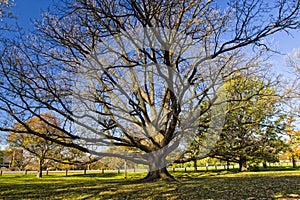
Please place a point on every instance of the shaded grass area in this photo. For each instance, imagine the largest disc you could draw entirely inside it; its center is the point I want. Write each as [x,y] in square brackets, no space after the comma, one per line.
[190,185]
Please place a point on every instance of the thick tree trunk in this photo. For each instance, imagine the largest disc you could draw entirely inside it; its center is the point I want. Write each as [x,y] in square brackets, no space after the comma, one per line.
[159,174]
[242,164]
[157,170]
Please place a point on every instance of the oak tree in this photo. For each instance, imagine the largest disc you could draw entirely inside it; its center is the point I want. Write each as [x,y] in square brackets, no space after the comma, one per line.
[132,73]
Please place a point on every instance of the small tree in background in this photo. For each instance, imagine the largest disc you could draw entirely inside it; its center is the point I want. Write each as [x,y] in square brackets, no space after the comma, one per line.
[293,142]
[116,163]
[21,159]
[45,151]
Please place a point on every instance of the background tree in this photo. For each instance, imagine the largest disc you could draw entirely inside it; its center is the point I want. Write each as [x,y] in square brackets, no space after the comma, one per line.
[131,73]
[116,163]
[254,125]
[21,159]
[291,85]
[97,165]
[293,109]
[293,142]
[43,150]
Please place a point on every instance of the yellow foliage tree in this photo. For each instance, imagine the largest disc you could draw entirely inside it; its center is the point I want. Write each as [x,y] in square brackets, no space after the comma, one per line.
[44,150]
[294,141]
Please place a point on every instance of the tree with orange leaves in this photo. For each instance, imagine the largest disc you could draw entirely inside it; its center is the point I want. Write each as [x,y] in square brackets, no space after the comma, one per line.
[293,141]
[42,149]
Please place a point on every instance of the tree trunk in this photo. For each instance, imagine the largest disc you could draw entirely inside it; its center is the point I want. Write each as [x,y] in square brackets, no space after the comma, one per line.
[265,164]
[195,165]
[294,161]
[40,171]
[125,169]
[242,164]
[159,174]
[157,170]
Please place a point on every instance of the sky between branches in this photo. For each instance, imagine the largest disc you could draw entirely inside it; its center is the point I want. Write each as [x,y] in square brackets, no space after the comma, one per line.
[27,11]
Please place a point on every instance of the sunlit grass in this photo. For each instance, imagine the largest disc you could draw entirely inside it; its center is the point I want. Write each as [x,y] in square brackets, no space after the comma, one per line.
[190,185]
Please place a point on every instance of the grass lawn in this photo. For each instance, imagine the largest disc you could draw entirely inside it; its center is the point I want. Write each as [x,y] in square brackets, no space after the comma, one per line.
[190,185]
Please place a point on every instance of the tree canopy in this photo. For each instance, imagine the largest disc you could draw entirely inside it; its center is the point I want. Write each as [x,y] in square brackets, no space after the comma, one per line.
[254,125]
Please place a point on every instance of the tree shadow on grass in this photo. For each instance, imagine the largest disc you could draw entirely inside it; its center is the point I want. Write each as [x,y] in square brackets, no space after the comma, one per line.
[279,168]
[213,187]
[99,175]
[189,186]
[55,187]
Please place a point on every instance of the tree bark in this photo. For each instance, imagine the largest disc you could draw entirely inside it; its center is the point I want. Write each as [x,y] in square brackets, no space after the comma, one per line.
[195,165]
[157,170]
[265,164]
[40,171]
[294,161]
[158,174]
[242,164]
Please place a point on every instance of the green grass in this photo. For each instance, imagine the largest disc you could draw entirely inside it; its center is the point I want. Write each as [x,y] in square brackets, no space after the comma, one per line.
[190,185]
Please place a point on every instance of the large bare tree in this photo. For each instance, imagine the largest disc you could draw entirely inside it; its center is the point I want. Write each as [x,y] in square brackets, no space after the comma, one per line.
[136,74]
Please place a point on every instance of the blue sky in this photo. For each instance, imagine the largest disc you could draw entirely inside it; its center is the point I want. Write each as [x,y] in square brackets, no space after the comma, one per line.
[28,10]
